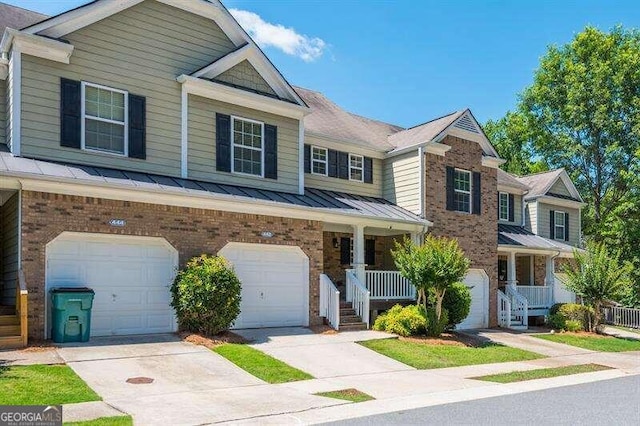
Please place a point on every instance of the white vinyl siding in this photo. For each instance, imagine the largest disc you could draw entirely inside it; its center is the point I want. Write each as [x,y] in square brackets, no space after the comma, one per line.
[140,50]
[402,181]
[9,226]
[202,145]
[3,110]
[356,167]
[319,160]
[544,225]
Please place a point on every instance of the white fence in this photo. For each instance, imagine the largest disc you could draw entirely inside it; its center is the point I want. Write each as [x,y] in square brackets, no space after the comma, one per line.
[625,317]
[389,285]
[329,301]
[538,296]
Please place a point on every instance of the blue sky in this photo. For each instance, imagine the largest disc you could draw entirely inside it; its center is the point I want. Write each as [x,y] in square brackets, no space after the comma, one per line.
[407,62]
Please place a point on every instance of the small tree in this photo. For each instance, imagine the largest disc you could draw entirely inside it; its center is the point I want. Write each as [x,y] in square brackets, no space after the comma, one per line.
[206,295]
[597,276]
[437,264]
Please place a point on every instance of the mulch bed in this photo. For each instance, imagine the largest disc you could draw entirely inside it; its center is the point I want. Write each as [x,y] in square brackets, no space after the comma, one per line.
[445,339]
[212,341]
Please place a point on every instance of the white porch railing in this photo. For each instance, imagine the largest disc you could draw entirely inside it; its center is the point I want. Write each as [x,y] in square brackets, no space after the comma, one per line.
[504,310]
[537,296]
[358,295]
[389,285]
[625,317]
[329,301]
[519,306]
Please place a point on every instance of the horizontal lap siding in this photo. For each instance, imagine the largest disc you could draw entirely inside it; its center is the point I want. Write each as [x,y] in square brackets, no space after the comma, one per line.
[3,110]
[531,216]
[544,226]
[402,181]
[142,50]
[202,145]
[9,249]
[342,185]
[560,188]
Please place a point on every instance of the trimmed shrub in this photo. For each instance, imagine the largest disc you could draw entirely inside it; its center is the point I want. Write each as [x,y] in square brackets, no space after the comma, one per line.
[206,295]
[556,321]
[408,321]
[573,325]
[457,302]
[571,317]
[554,308]
[435,327]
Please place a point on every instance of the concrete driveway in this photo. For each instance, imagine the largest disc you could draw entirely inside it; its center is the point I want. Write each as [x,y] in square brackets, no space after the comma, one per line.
[191,384]
[323,355]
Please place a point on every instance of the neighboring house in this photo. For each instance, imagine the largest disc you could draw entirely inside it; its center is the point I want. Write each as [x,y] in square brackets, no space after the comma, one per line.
[137,134]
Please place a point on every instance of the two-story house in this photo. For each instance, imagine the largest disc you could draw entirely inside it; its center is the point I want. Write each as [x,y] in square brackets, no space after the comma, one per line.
[137,134]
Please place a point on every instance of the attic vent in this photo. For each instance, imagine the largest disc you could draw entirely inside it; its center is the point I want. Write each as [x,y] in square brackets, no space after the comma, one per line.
[466,123]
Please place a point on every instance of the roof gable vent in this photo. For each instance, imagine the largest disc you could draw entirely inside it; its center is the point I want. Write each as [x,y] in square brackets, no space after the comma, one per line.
[467,123]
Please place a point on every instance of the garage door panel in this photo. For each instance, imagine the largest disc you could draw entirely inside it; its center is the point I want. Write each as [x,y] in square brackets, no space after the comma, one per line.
[138,271]
[478,283]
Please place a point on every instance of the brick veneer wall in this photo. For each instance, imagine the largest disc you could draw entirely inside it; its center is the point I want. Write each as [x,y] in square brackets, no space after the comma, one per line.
[540,269]
[191,231]
[477,234]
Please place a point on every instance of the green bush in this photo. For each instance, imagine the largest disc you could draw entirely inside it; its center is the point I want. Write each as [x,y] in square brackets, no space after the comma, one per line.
[556,321]
[554,308]
[435,327]
[573,325]
[407,321]
[206,295]
[457,302]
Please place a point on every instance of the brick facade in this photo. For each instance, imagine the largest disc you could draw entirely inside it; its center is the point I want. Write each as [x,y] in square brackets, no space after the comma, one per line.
[191,231]
[477,234]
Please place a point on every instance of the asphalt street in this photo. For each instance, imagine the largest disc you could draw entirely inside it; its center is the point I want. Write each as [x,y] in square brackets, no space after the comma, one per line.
[607,402]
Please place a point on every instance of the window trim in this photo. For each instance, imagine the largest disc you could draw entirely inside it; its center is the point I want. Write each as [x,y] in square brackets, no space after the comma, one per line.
[557,224]
[469,193]
[83,118]
[361,168]
[500,217]
[233,144]
[325,161]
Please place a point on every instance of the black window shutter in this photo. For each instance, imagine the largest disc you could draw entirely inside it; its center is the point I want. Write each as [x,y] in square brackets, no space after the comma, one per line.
[307,158]
[137,126]
[512,208]
[450,188]
[345,251]
[368,170]
[370,252]
[332,156]
[566,226]
[223,143]
[343,165]
[477,191]
[70,104]
[270,151]
[552,224]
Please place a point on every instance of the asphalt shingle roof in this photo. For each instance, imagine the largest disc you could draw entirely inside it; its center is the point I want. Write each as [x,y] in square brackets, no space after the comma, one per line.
[423,132]
[17,17]
[540,183]
[507,179]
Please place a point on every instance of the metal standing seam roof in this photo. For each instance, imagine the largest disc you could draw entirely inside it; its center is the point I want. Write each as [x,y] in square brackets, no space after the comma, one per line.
[512,235]
[331,201]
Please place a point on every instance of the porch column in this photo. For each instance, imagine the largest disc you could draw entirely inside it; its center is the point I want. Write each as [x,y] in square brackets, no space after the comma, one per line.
[358,253]
[416,238]
[511,269]
[550,278]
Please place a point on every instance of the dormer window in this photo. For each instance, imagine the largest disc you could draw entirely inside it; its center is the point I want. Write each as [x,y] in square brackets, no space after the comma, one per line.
[504,206]
[104,119]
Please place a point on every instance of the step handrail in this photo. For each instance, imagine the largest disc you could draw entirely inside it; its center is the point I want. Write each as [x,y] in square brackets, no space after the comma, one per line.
[519,305]
[358,295]
[22,295]
[329,301]
[504,310]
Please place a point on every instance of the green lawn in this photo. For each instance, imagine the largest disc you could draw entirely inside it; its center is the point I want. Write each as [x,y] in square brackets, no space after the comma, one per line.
[593,342]
[542,373]
[425,356]
[104,421]
[43,385]
[353,395]
[260,364]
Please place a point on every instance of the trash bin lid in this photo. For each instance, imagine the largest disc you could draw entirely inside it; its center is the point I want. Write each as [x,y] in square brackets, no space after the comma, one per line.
[72,290]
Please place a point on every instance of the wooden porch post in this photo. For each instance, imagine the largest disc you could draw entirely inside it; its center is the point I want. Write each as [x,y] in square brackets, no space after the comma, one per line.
[358,253]
[550,279]
[511,269]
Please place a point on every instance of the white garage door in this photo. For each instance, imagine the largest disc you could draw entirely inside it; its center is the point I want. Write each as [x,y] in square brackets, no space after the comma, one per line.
[275,284]
[478,282]
[130,276]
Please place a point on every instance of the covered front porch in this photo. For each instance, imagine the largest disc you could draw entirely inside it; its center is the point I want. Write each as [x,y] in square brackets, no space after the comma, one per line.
[360,277]
[530,279]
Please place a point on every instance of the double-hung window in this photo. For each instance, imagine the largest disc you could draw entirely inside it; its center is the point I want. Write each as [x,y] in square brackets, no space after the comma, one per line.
[319,161]
[104,119]
[356,167]
[462,191]
[247,146]
[504,206]
[558,227]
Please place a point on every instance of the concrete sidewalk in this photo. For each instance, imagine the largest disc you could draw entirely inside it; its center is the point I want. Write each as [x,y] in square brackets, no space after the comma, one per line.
[624,334]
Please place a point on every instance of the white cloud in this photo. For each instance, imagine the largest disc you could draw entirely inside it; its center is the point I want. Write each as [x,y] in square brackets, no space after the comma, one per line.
[276,35]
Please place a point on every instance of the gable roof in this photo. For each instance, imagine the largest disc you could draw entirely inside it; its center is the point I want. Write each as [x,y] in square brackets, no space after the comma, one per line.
[328,119]
[507,179]
[16,17]
[424,132]
[540,183]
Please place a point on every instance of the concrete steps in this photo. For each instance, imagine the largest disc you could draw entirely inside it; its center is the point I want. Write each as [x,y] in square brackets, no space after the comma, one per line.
[10,332]
[349,319]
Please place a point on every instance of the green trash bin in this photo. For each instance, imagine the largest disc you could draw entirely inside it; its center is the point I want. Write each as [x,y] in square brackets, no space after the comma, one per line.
[71,314]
